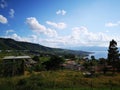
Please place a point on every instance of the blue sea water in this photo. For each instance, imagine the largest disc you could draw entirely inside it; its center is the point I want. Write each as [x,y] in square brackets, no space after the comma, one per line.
[99,54]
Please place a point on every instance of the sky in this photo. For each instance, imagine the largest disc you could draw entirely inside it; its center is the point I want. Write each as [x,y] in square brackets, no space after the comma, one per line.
[61,23]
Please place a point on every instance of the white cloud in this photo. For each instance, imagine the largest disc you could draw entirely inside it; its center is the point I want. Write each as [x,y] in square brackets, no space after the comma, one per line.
[107,31]
[60,25]
[11,12]
[61,12]
[9,31]
[58,12]
[50,32]
[84,37]
[110,24]
[80,36]
[37,27]
[33,37]
[3,19]
[15,37]
[3,4]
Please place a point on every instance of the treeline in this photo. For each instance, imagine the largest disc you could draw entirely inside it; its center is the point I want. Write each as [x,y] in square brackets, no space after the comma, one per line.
[52,63]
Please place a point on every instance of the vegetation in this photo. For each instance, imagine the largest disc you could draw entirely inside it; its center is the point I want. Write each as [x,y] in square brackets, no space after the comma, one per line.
[60,80]
[54,63]
[48,73]
[113,55]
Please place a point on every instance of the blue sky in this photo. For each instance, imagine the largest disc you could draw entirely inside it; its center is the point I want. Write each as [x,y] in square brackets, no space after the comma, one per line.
[61,23]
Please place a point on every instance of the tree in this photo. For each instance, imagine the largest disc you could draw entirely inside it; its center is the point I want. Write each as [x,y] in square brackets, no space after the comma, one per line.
[69,56]
[36,58]
[54,63]
[93,58]
[93,61]
[113,55]
[102,62]
[86,65]
[38,66]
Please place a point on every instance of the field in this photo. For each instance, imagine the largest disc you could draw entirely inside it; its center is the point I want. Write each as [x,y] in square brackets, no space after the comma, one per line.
[60,80]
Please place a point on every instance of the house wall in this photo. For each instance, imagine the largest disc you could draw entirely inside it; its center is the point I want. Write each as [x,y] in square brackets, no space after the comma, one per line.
[13,67]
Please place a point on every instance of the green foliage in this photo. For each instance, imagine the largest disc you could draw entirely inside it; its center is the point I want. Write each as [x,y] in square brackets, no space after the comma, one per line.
[36,58]
[44,59]
[54,63]
[103,62]
[38,67]
[69,56]
[93,61]
[86,65]
[60,80]
[93,58]
[113,54]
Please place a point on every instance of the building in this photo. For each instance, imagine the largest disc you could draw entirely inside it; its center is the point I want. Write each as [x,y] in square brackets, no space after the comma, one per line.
[15,65]
[72,65]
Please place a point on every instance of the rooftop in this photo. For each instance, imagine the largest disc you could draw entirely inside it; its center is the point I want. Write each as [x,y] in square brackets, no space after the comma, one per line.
[16,57]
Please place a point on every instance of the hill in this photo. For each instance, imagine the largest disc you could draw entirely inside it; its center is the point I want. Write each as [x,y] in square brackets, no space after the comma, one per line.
[10,44]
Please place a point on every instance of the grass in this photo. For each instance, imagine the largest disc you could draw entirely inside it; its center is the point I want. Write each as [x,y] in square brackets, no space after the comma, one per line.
[88,88]
[60,80]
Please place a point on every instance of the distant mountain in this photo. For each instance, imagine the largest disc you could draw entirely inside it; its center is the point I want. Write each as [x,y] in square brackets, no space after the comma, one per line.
[10,44]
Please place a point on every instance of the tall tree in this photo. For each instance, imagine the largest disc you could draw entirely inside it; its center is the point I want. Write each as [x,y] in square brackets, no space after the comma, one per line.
[113,54]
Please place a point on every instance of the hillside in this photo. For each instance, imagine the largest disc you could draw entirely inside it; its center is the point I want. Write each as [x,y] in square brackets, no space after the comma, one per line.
[10,44]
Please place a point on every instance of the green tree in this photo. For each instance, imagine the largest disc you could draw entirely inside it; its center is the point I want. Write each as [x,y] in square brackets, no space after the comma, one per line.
[86,65]
[36,58]
[93,58]
[103,63]
[54,63]
[113,55]
[37,67]
[93,61]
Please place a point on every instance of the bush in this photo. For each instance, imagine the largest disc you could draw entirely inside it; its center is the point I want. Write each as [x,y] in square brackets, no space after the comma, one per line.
[54,63]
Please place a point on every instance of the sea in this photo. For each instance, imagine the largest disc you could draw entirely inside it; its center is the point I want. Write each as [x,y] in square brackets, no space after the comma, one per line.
[99,54]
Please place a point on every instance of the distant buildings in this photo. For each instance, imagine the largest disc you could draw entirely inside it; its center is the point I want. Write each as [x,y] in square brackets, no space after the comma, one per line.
[72,65]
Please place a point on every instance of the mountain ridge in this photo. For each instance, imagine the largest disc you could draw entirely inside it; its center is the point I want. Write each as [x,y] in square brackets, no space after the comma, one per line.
[11,44]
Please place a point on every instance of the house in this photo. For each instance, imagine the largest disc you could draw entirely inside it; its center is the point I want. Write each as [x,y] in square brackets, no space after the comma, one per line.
[72,65]
[101,68]
[15,65]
